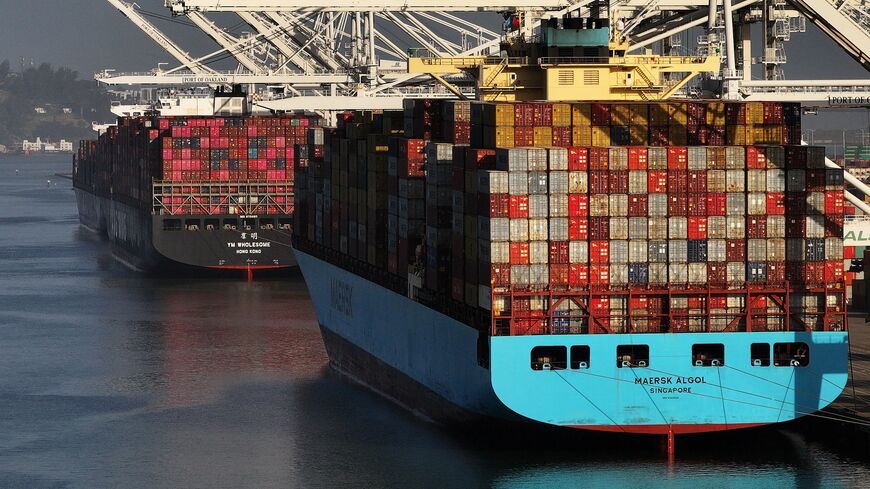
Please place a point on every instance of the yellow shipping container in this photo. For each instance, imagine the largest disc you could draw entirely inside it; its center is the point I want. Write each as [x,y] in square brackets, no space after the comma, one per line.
[600,136]
[735,136]
[755,113]
[504,115]
[678,113]
[561,115]
[620,114]
[581,115]
[504,137]
[659,114]
[716,113]
[639,135]
[581,136]
[640,114]
[543,137]
[772,134]
[677,136]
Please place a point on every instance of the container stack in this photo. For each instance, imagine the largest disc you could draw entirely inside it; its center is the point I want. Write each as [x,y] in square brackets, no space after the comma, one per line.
[651,223]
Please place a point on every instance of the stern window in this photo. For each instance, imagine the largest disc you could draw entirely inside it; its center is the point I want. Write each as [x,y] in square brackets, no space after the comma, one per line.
[579,357]
[549,358]
[791,354]
[760,354]
[708,355]
[632,356]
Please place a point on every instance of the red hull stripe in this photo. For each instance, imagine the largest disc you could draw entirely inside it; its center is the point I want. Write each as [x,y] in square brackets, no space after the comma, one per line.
[664,429]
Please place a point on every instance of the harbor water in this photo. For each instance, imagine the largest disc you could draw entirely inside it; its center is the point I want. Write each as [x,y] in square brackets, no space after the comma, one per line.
[111,378]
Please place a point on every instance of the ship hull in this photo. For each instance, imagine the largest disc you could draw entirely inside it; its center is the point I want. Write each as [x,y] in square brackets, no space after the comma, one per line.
[428,363]
[160,243]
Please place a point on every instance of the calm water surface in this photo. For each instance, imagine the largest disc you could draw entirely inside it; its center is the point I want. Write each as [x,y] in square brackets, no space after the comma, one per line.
[109,378]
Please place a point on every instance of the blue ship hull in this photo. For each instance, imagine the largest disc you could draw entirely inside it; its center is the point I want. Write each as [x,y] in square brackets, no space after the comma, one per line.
[428,362]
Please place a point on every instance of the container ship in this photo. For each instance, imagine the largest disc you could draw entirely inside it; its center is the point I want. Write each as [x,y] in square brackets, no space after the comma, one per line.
[193,193]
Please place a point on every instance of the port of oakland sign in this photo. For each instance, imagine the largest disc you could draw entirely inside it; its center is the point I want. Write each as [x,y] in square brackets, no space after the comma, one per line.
[848,100]
[856,233]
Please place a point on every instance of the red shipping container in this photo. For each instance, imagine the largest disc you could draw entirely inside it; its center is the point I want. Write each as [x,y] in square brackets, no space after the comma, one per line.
[519,206]
[542,114]
[520,327]
[599,228]
[697,228]
[500,275]
[599,158]
[717,204]
[497,205]
[776,203]
[578,205]
[578,275]
[678,181]
[755,158]
[795,157]
[848,252]
[599,276]
[814,273]
[618,182]
[599,252]
[834,226]
[559,275]
[600,114]
[599,182]
[796,203]
[756,227]
[735,250]
[524,136]
[697,204]
[578,158]
[578,229]
[833,271]
[717,274]
[558,252]
[815,180]
[637,158]
[834,203]
[678,158]
[519,252]
[638,205]
[562,137]
[775,272]
[678,205]
[657,181]
[697,181]
[483,159]
[658,136]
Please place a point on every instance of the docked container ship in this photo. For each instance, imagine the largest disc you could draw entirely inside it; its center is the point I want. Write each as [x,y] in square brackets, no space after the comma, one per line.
[210,192]
[667,267]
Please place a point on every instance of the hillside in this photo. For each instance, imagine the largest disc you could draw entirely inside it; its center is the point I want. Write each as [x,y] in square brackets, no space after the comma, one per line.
[48,102]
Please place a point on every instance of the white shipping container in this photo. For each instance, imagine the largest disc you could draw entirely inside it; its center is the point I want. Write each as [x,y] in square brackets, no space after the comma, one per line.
[539,276]
[578,251]
[795,180]
[697,273]
[494,228]
[539,206]
[618,251]
[678,251]
[716,250]
[637,227]
[618,158]
[559,182]
[618,274]
[658,228]
[618,205]
[717,227]
[638,251]
[735,274]
[833,248]
[716,181]
[679,302]
[756,250]
[657,206]
[678,273]
[735,157]
[776,180]
[559,229]
[658,273]
[657,158]
[815,202]
[599,205]
[756,204]
[776,249]
[518,183]
[538,230]
[519,230]
[795,249]
[637,182]
[618,228]
[658,251]
[512,159]
[493,252]
[538,182]
[736,227]
[520,275]
[678,228]
[537,158]
[815,227]
[697,157]
[492,182]
[775,226]
[558,205]
[735,204]
[539,252]
[735,181]
[756,180]
[558,158]
[578,182]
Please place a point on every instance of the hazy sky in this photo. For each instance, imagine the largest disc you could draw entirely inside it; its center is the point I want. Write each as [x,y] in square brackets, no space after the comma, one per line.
[89,35]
